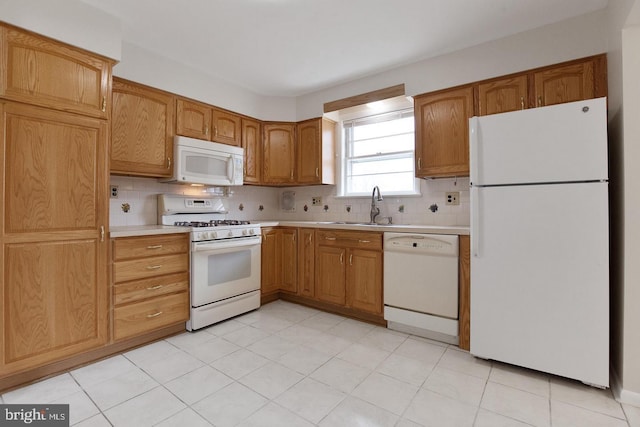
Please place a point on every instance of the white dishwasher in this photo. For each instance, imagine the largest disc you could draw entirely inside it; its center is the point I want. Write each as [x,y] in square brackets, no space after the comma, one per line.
[421,284]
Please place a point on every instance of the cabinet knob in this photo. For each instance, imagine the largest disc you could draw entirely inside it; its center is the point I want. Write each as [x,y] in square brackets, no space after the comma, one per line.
[539,101]
[317,172]
[154,247]
[153,267]
[522,102]
[104,104]
[154,288]
[168,162]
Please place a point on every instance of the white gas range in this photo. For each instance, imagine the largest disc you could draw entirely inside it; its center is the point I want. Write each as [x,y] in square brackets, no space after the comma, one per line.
[225,257]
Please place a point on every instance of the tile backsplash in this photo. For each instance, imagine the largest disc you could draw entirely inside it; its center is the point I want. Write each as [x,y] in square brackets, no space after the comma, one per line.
[136,203]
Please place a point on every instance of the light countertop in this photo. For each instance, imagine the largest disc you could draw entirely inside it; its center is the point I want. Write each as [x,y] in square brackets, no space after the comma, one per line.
[146,230]
[397,228]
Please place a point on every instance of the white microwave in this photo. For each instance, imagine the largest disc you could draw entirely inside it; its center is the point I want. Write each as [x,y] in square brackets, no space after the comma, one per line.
[207,163]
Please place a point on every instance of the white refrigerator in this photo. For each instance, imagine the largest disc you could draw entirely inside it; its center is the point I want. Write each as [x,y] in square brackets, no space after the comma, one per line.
[540,239]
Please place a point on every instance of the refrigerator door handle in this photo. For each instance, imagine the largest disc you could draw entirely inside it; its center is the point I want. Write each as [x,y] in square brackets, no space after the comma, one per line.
[474,146]
[475,221]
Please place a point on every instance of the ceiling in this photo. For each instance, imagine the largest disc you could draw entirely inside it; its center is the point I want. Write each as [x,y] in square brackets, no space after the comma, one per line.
[293,47]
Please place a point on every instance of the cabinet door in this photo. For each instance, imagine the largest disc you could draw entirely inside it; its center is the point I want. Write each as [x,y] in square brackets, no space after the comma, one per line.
[40,71]
[226,127]
[442,132]
[289,265]
[364,280]
[464,275]
[306,262]
[141,130]
[564,84]
[279,153]
[252,144]
[309,151]
[501,96]
[54,255]
[270,260]
[193,119]
[330,274]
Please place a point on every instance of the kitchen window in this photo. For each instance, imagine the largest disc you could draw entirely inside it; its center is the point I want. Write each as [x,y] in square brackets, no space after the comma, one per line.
[379,150]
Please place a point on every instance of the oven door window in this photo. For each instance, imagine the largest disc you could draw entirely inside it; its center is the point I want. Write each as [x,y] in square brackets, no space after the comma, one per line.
[228,267]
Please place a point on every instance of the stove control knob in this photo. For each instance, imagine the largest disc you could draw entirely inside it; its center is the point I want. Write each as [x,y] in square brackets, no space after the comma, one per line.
[200,236]
[244,232]
[230,234]
[213,234]
[252,231]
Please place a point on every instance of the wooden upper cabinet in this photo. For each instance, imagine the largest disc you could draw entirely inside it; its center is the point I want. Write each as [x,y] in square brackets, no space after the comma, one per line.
[252,144]
[315,151]
[279,153]
[501,96]
[142,123]
[568,83]
[53,289]
[193,119]
[40,71]
[226,127]
[442,132]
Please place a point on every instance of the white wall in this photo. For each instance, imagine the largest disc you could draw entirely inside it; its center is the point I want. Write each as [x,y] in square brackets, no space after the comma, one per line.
[570,39]
[68,21]
[154,70]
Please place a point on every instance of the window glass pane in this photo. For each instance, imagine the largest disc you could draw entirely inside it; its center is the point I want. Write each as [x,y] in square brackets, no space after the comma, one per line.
[382,166]
[379,150]
[389,144]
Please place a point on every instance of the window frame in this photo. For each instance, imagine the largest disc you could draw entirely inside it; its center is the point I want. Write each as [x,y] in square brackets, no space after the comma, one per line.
[345,158]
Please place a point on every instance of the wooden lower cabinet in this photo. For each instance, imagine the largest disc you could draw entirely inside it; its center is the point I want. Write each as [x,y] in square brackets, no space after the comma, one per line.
[331,275]
[279,259]
[464,304]
[150,283]
[349,269]
[53,287]
[364,279]
[306,262]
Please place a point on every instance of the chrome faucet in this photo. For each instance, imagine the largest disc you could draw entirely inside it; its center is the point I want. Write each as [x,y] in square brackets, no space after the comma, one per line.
[375,211]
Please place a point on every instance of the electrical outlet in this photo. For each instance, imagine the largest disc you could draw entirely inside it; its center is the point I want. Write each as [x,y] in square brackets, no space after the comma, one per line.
[114,191]
[316,201]
[453,198]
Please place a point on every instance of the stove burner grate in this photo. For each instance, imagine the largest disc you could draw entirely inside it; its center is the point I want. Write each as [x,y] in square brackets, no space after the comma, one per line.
[212,223]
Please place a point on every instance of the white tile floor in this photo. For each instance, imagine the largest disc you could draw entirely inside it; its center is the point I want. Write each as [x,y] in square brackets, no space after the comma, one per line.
[288,365]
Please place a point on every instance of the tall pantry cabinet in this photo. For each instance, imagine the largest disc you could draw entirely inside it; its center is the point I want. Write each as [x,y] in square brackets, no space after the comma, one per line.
[54,106]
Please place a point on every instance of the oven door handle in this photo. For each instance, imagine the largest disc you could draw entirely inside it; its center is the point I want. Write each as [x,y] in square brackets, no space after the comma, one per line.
[224,244]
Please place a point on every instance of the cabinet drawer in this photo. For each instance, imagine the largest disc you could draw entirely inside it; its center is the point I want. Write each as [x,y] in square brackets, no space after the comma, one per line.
[134,319]
[148,246]
[350,239]
[149,288]
[149,267]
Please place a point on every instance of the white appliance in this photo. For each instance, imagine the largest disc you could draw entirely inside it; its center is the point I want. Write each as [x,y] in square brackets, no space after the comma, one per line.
[206,163]
[225,258]
[540,239]
[421,284]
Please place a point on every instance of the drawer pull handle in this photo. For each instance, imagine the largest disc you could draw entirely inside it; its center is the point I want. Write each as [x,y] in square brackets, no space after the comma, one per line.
[329,238]
[153,267]
[364,241]
[154,247]
[154,288]
[149,316]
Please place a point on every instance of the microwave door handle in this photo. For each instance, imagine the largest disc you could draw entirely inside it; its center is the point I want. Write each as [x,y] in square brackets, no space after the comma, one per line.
[230,167]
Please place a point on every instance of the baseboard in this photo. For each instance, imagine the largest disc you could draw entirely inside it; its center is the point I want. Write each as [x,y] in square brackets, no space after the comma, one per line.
[621,395]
